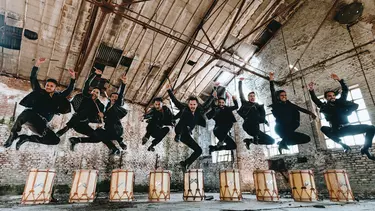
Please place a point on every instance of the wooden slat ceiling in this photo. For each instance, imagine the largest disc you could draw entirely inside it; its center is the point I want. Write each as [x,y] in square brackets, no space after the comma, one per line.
[63,24]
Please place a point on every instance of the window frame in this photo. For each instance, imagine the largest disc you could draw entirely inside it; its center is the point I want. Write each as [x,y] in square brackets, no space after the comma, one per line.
[221,156]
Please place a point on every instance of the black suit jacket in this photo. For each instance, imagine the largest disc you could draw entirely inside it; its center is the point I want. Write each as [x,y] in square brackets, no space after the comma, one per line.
[45,104]
[337,112]
[223,115]
[156,117]
[183,107]
[84,106]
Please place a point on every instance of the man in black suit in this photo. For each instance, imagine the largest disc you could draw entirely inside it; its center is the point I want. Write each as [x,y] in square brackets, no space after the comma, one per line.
[253,114]
[88,109]
[336,112]
[224,119]
[157,117]
[191,114]
[41,106]
[113,114]
[287,115]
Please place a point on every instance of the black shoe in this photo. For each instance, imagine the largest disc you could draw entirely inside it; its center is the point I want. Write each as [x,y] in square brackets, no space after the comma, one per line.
[151,148]
[211,149]
[144,140]
[281,147]
[12,136]
[62,131]
[23,139]
[256,140]
[115,152]
[364,151]
[280,150]
[208,198]
[220,143]
[123,145]
[73,142]
[183,166]
[247,143]
[54,200]
[347,149]
[177,138]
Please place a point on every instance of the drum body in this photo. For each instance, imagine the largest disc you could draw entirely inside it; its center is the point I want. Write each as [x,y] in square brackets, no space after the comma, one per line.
[230,185]
[83,186]
[303,185]
[193,185]
[338,185]
[122,185]
[38,188]
[265,185]
[160,182]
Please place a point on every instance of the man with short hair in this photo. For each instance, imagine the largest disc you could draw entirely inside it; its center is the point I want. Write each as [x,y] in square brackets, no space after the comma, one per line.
[113,114]
[191,114]
[224,119]
[253,114]
[157,117]
[88,109]
[336,112]
[41,106]
[287,115]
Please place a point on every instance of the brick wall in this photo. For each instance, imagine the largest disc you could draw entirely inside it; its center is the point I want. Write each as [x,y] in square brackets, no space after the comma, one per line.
[15,164]
[360,169]
[331,40]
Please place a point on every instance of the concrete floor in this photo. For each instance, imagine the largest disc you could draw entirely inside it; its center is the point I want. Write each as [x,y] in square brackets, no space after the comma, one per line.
[249,202]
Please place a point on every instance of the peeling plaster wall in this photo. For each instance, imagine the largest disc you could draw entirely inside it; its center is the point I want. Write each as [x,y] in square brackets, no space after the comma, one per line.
[15,164]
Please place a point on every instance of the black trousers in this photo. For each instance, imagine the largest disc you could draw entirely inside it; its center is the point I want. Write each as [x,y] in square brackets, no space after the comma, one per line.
[253,130]
[156,131]
[179,129]
[290,137]
[190,142]
[112,132]
[94,136]
[221,132]
[37,125]
[336,133]
[75,120]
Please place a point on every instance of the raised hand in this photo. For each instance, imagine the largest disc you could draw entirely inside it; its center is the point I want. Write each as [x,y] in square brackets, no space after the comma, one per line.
[311,86]
[72,73]
[123,79]
[168,86]
[234,97]
[335,77]
[272,75]
[39,62]
[214,94]
[98,72]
